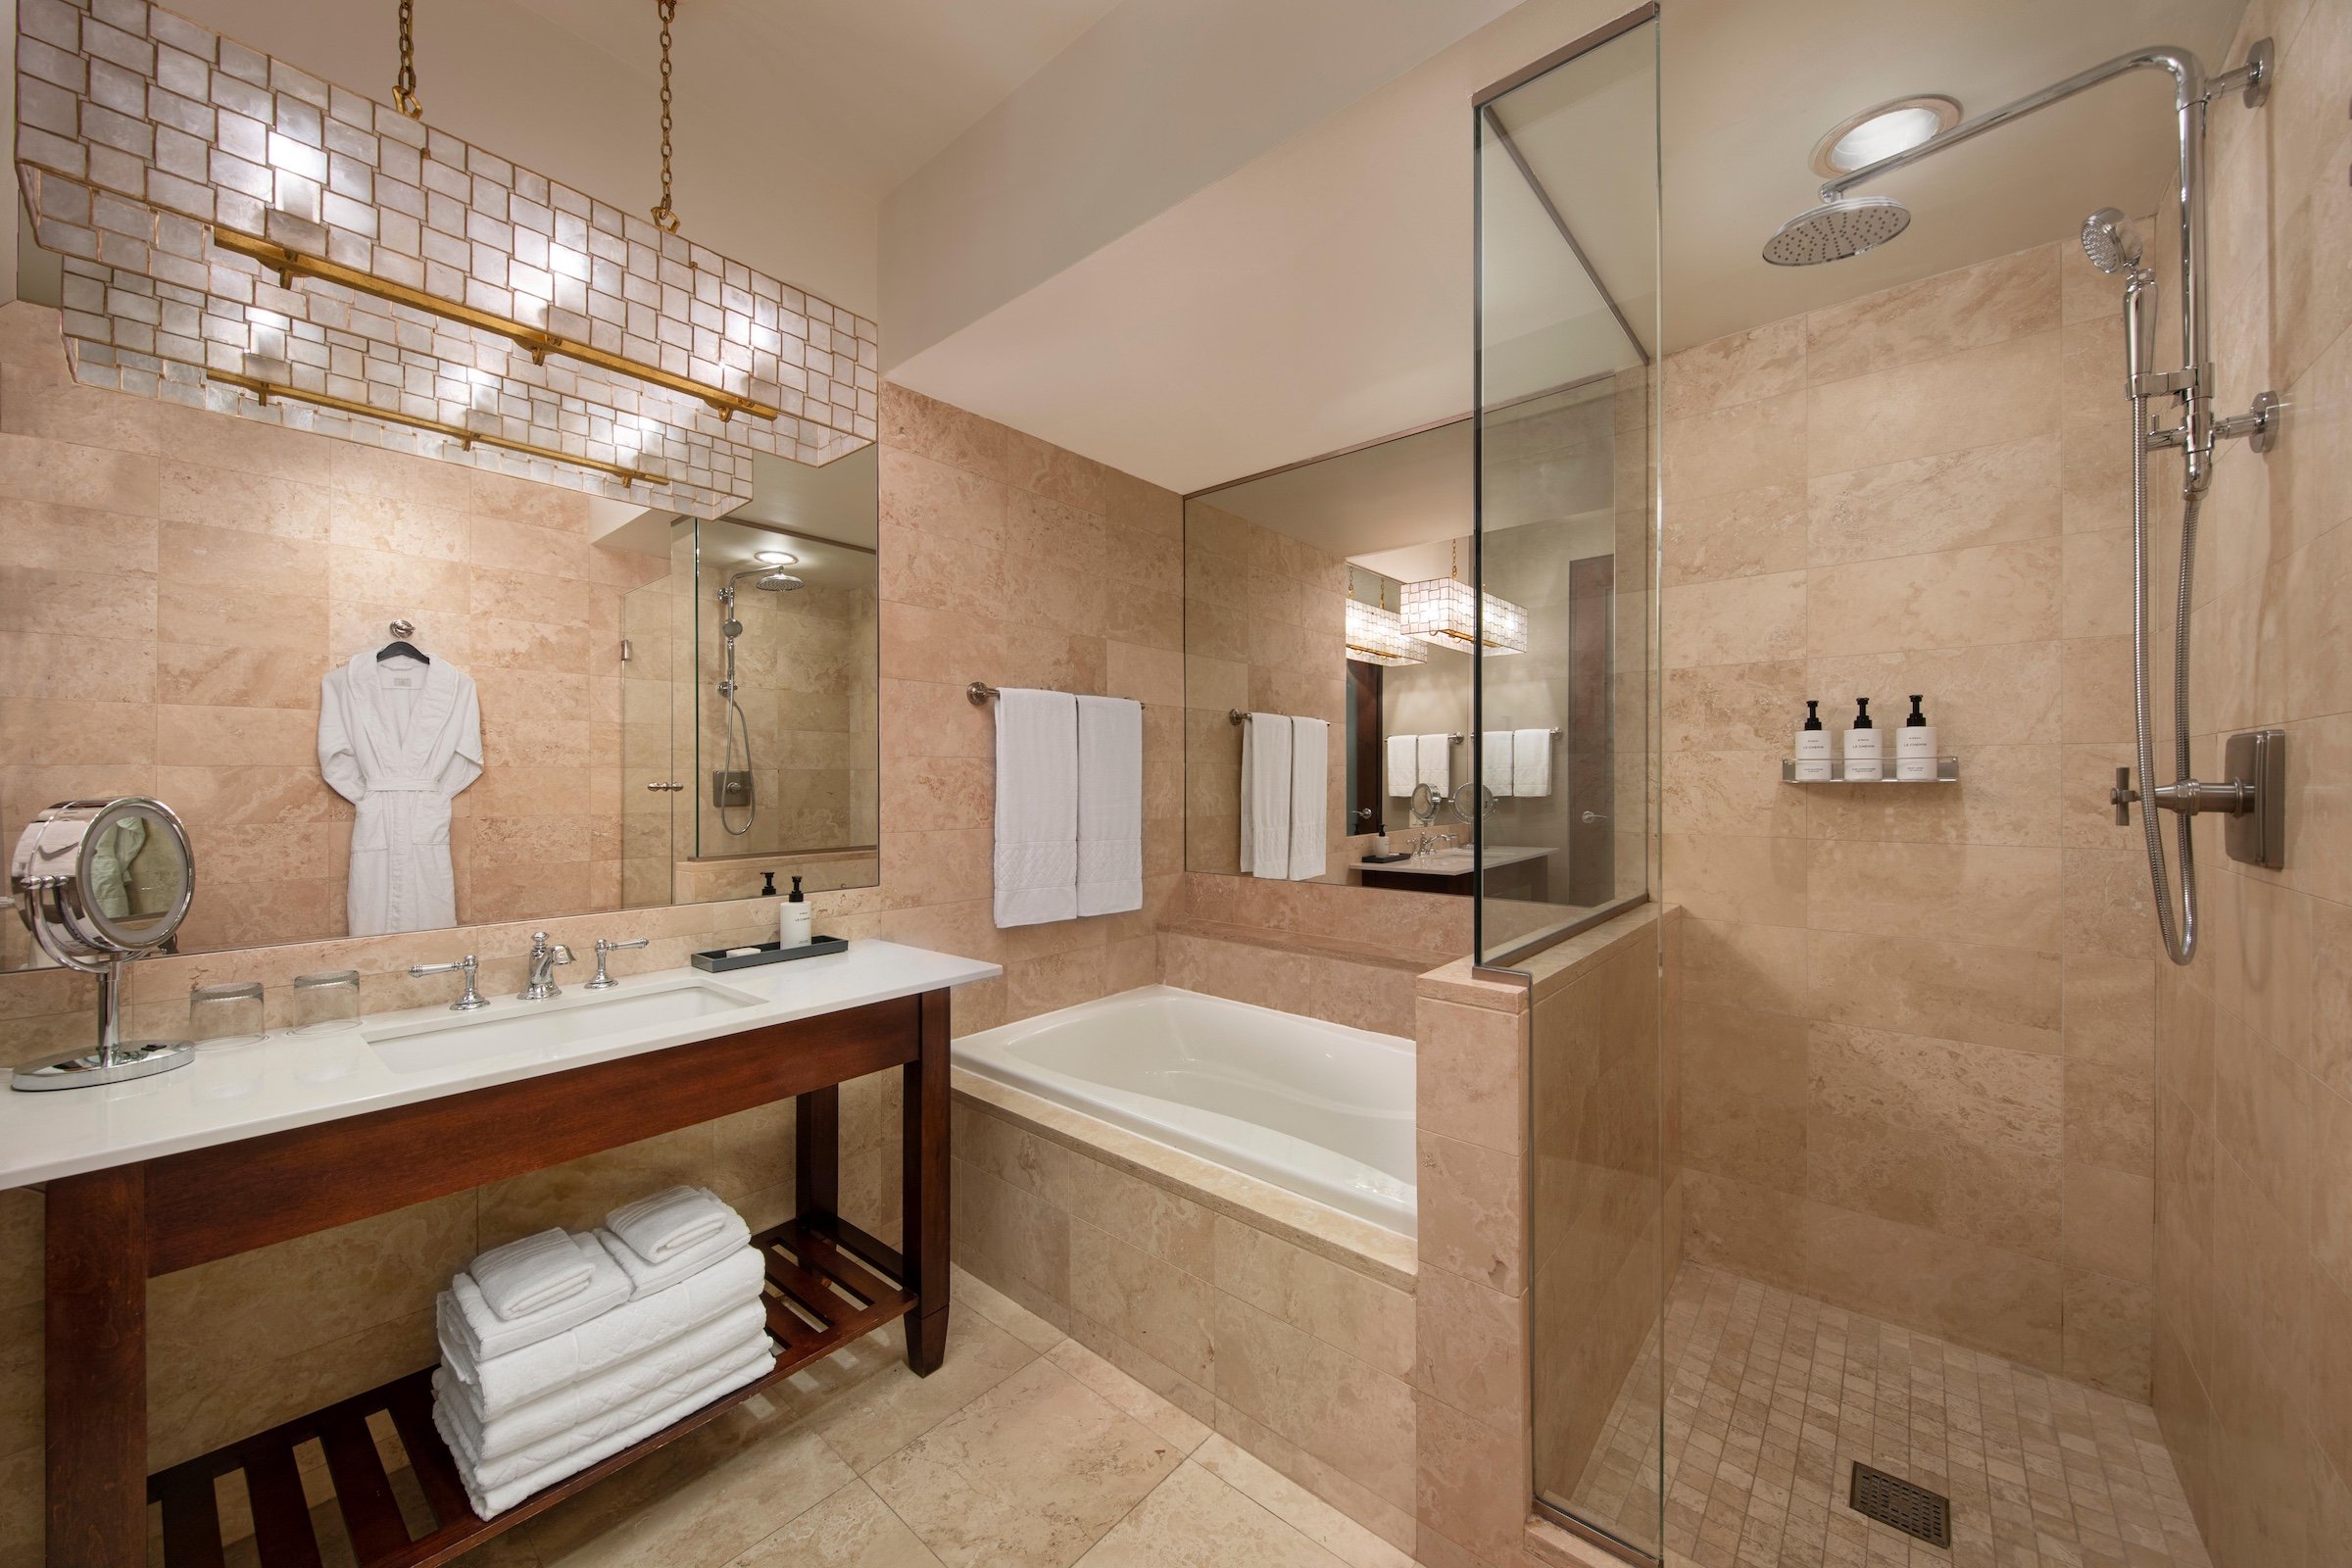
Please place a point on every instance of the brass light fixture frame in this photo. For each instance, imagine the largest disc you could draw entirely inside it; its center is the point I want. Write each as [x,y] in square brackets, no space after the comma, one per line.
[266,390]
[537,342]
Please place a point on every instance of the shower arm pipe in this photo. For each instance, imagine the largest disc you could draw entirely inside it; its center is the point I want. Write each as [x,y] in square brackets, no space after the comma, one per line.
[2192,90]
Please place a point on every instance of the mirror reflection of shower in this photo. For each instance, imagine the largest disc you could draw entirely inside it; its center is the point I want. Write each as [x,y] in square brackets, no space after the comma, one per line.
[731,788]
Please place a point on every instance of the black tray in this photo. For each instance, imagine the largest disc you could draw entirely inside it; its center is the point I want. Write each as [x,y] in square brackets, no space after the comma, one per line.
[719,961]
[1388,860]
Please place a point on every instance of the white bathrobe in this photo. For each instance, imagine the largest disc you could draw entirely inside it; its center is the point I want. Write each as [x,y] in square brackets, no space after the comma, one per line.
[399,740]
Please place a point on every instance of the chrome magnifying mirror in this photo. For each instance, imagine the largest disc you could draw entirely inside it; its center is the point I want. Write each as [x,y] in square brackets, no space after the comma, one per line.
[99,883]
[1424,804]
[1472,800]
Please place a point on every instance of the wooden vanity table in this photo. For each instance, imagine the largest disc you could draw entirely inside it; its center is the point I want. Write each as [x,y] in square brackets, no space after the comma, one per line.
[112,1229]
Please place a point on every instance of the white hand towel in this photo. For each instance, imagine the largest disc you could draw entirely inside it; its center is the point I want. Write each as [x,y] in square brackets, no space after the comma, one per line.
[648,1278]
[1266,796]
[1495,755]
[1435,765]
[1311,772]
[661,1225]
[488,1334]
[490,1501]
[627,1330]
[1111,804]
[531,1275]
[1531,762]
[1403,767]
[1037,807]
[572,1411]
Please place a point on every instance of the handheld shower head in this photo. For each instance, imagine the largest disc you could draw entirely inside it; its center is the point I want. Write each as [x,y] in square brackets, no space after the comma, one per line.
[2110,241]
[1835,230]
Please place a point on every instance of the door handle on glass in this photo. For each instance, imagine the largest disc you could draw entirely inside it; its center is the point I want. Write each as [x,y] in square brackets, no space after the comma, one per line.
[1591,817]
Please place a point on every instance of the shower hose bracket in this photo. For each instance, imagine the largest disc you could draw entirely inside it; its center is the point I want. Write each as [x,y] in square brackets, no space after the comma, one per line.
[2258,427]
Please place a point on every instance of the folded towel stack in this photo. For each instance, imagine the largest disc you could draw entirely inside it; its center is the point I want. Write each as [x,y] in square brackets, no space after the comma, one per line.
[559,1351]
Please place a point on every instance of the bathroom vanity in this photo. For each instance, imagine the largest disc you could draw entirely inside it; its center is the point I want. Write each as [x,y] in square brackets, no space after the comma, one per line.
[250,1146]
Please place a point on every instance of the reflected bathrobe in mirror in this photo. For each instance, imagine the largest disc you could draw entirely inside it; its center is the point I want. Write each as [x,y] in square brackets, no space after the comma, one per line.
[399,740]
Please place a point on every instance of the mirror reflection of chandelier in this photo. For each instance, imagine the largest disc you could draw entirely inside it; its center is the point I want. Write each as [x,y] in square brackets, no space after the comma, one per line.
[1444,611]
[1376,635]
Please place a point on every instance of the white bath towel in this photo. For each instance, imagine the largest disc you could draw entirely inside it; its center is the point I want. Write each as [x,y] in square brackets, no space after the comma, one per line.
[1531,762]
[1266,796]
[661,1225]
[1403,767]
[486,1335]
[1494,762]
[1434,755]
[647,1279]
[1310,807]
[1111,804]
[1037,807]
[490,1501]
[627,1330]
[572,1411]
[530,1275]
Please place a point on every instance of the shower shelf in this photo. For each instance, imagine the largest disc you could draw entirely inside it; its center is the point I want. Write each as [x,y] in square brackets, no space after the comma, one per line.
[1947,771]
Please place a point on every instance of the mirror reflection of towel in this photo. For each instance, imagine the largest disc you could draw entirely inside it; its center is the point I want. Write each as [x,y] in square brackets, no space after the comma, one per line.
[110,865]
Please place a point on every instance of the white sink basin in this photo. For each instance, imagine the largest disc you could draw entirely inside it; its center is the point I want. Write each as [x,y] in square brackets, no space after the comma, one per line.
[545,1030]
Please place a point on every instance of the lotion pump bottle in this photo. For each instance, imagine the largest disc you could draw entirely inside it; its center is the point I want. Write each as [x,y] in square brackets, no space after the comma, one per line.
[1915,748]
[1865,760]
[1812,746]
[795,928]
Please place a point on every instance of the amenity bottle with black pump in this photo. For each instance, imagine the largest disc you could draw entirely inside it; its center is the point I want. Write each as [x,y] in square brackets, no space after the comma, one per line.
[1812,746]
[795,928]
[1915,748]
[1864,756]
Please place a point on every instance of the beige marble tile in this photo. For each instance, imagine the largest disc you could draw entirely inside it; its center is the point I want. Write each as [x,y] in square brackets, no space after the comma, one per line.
[1982,1094]
[868,1405]
[2008,297]
[1152,1304]
[1128,1396]
[1296,1506]
[1925,506]
[850,1528]
[1352,1418]
[1368,1319]
[1004,1311]
[1735,534]
[1961,892]
[1195,1520]
[1472,1219]
[1033,1472]
[1995,996]
[1972,397]
[1739,621]
[1736,448]
[2003,593]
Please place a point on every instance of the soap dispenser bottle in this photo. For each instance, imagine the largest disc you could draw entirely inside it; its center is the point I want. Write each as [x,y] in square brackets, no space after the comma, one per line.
[1915,748]
[1865,760]
[795,926]
[1812,746]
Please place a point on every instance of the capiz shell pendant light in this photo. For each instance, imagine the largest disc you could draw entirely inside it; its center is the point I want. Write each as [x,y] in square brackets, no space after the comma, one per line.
[1376,635]
[1444,611]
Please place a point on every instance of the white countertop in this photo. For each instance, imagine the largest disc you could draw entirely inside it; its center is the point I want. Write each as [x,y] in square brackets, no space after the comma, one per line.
[288,1080]
[1457,860]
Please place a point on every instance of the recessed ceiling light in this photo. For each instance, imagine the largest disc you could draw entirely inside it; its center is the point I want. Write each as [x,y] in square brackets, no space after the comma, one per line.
[1882,131]
[777,557]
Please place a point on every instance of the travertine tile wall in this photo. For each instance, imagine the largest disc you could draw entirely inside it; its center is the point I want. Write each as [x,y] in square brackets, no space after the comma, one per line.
[1004,559]
[177,582]
[138,132]
[1917,1070]
[1265,631]
[2254,1041]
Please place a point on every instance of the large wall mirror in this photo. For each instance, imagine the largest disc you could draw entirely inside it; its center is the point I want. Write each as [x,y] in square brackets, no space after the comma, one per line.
[394,716]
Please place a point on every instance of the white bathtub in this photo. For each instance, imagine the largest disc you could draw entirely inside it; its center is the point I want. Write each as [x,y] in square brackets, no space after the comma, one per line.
[1323,1110]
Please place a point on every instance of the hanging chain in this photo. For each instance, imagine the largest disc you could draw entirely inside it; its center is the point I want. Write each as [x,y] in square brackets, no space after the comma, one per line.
[666,214]
[403,86]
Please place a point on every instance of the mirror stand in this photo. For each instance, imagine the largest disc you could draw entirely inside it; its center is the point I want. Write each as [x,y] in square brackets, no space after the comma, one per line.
[114,1060]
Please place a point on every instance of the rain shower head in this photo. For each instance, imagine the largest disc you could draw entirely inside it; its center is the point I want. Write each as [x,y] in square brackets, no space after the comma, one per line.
[1835,230]
[768,579]
[2110,241]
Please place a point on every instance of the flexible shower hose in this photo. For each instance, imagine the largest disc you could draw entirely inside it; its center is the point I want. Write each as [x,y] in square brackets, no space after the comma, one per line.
[736,719]
[2180,933]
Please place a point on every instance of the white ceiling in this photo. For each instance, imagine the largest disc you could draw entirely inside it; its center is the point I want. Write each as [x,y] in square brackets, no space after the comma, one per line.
[1321,296]
[871,91]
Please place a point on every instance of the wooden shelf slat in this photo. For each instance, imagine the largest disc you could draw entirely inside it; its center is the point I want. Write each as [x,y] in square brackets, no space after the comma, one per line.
[801,1261]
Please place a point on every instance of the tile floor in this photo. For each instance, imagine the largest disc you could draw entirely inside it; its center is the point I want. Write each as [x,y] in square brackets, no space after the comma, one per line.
[1023,1450]
[1771,1398]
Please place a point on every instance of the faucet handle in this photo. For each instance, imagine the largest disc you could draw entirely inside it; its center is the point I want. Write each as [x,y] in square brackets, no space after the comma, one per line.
[605,947]
[465,1004]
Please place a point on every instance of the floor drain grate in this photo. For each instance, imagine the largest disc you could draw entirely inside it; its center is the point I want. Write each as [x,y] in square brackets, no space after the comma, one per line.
[1892,1500]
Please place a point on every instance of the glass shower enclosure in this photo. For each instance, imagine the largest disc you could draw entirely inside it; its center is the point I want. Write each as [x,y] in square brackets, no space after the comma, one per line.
[1565,704]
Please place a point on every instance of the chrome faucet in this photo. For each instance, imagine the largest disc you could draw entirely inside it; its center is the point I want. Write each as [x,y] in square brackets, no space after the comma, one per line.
[606,949]
[540,977]
[468,1003]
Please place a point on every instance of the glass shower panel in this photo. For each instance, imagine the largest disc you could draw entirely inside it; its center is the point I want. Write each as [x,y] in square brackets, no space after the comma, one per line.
[648,767]
[1565,701]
